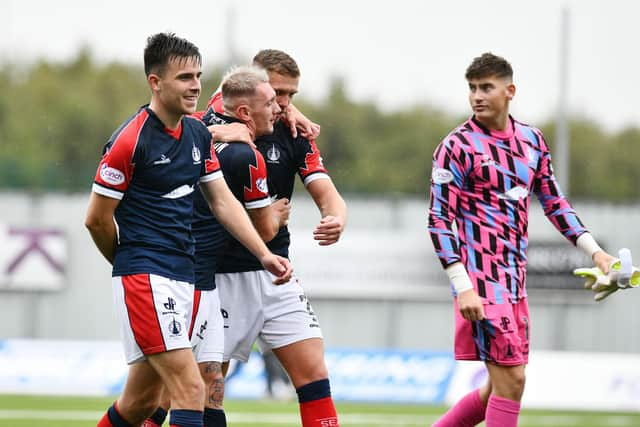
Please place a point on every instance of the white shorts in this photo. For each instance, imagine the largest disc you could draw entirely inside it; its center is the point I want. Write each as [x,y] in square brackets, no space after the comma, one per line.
[252,307]
[207,327]
[154,312]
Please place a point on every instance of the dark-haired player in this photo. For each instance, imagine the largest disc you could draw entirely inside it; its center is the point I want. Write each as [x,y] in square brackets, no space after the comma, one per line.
[139,217]
[483,174]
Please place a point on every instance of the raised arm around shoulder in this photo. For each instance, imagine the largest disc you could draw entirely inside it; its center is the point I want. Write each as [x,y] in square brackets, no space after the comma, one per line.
[297,120]
[101,225]
[232,132]
[332,208]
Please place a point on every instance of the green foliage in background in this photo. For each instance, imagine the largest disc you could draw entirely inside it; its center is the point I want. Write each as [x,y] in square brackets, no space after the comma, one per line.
[55,118]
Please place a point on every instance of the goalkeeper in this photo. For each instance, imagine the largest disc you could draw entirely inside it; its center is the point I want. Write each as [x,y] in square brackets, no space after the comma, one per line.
[483,174]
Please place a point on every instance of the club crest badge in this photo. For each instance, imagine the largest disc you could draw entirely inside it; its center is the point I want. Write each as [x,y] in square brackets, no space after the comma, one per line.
[273,154]
[195,154]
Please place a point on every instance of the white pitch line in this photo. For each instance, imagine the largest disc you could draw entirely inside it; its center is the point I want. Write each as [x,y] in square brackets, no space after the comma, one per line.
[233,417]
[287,419]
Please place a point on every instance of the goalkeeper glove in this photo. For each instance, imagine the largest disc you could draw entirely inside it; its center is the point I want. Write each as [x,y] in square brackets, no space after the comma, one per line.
[622,274]
[596,281]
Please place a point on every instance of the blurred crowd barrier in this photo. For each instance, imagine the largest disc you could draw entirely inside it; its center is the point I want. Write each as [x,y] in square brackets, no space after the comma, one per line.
[556,380]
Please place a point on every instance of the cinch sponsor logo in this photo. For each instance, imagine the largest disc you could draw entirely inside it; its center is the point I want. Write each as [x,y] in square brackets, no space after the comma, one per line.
[441,176]
[111,175]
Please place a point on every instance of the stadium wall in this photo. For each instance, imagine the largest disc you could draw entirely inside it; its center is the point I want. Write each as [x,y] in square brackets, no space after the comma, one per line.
[380,287]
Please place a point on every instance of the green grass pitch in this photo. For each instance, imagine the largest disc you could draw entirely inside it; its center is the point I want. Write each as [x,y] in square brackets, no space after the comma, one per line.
[47,411]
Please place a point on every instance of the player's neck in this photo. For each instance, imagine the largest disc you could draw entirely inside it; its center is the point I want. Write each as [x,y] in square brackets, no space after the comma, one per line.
[499,123]
[169,119]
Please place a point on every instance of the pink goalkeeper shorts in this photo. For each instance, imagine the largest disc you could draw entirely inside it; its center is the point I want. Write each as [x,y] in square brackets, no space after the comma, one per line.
[501,338]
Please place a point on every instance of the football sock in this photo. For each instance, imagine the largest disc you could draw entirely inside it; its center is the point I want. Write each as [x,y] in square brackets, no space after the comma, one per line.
[502,412]
[214,418]
[156,419]
[316,405]
[468,412]
[185,418]
[112,418]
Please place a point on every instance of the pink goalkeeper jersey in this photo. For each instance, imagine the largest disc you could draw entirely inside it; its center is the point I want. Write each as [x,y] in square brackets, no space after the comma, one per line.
[482,180]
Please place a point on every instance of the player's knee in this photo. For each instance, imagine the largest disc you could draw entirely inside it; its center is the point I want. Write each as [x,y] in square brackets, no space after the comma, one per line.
[516,385]
[188,392]
[519,379]
[319,372]
[310,376]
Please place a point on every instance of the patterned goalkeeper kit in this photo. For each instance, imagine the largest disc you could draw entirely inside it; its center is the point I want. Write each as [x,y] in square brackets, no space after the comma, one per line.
[481,183]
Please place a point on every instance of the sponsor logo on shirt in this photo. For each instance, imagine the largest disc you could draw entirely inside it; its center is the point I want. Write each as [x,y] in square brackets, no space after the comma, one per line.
[516,193]
[181,191]
[195,154]
[164,160]
[261,184]
[487,160]
[441,176]
[111,175]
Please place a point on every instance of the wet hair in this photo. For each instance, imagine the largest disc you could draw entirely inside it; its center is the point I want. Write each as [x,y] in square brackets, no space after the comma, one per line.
[240,83]
[276,61]
[489,65]
[164,47]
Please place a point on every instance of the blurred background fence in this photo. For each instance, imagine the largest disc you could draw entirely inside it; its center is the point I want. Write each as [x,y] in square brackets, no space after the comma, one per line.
[381,286]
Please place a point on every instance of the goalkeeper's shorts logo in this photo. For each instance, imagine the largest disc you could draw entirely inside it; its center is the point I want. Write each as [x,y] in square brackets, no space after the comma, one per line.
[504,323]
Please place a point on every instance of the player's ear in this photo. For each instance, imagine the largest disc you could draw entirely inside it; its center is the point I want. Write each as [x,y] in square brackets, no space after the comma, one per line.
[154,82]
[243,112]
[511,91]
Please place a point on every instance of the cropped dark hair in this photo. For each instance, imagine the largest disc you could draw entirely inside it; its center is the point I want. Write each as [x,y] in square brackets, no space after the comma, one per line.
[163,47]
[489,65]
[276,61]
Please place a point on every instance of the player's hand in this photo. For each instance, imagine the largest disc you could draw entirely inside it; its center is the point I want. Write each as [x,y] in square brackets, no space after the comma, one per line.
[233,132]
[470,305]
[603,261]
[297,120]
[329,230]
[278,266]
[282,208]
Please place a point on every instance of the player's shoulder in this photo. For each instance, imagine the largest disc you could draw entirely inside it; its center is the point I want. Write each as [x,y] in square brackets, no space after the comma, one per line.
[197,128]
[127,135]
[527,132]
[237,151]
[461,134]
[195,122]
